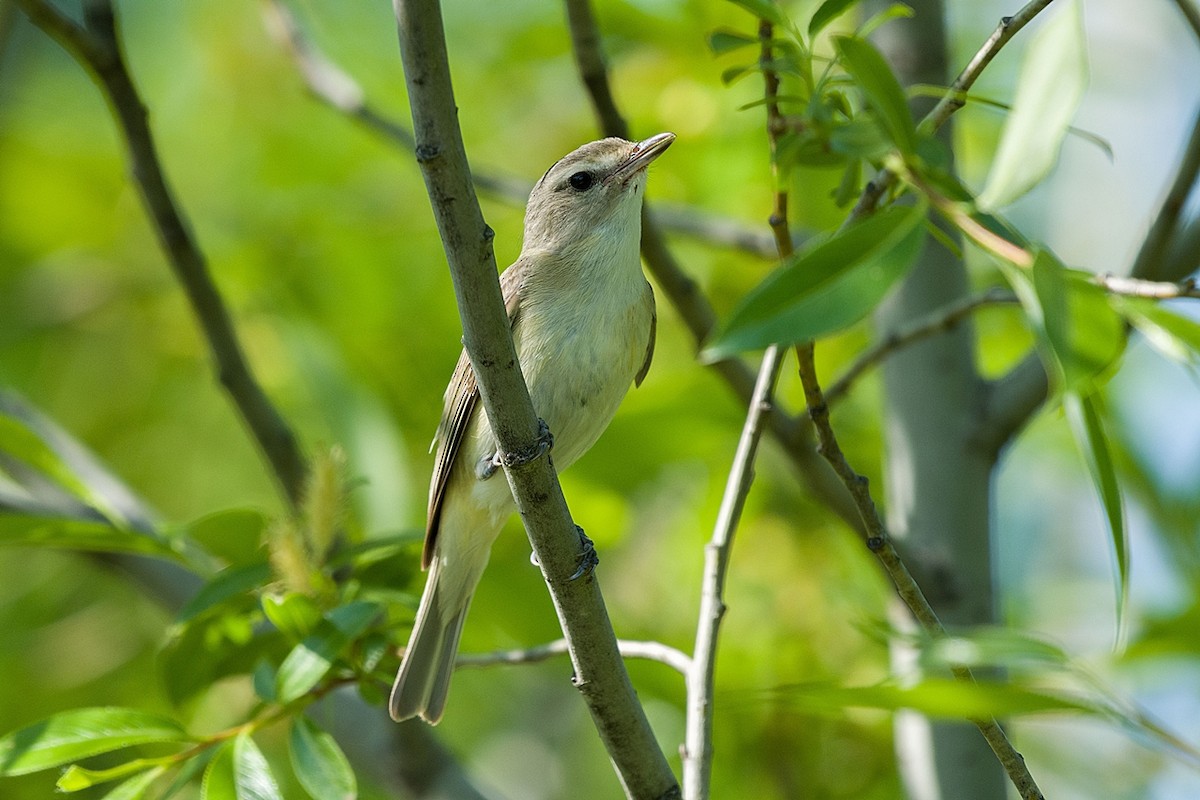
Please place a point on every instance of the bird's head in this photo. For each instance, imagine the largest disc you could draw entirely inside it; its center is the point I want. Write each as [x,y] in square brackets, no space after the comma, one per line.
[594,190]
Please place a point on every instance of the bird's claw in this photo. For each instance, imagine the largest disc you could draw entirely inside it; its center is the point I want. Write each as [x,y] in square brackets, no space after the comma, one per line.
[489,465]
[588,559]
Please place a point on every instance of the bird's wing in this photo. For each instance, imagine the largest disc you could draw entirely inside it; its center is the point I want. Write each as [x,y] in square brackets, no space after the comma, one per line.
[462,396]
[641,376]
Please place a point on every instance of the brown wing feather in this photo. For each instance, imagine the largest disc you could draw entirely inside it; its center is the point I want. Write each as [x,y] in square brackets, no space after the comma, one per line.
[462,397]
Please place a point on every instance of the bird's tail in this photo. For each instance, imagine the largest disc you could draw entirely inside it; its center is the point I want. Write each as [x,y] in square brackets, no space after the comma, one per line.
[424,677]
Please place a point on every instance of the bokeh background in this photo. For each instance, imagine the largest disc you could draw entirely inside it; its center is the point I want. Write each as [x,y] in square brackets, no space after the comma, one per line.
[320,237]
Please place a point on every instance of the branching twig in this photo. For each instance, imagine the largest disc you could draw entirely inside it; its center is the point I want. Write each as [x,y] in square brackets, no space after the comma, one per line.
[938,321]
[953,100]
[599,670]
[97,47]
[651,651]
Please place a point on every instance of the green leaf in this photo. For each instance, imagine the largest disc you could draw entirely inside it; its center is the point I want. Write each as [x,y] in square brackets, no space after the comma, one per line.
[311,660]
[263,680]
[724,41]
[229,583]
[294,614]
[859,139]
[319,763]
[28,530]
[135,788]
[183,778]
[1084,415]
[24,444]
[894,11]
[1176,337]
[76,777]
[827,13]
[234,535]
[881,88]
[79,733]
[252,775]
[764,9]
[826,287]
[212,647]
[219,781]
[936,697]
[1081,334]
[1053,78]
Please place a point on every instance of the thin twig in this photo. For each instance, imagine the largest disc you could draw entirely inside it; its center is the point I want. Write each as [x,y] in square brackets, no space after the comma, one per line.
[952,101]
[650,651]
[599,671]
[1151,261]
[97,47]
[938,321]
[701,681]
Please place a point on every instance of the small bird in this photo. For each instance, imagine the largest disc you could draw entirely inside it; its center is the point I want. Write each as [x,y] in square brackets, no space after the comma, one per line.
[583,320]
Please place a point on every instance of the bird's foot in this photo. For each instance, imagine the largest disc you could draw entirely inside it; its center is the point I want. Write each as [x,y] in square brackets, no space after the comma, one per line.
[489,465]
[588,559]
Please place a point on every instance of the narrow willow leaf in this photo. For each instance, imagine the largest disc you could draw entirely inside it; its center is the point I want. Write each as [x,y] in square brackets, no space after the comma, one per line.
[28,530]
[21,442]
[1175,336]
[252,775]
[135,788]
[234,535]
[724,41]
[933,696]
[827,13]
[894,11]
[76,777]
[226,584]
[825,287]
[80,733]
[881,88]
[293,613]
[219,782]
[311,660]
[1088,429]
[1053,78]
[319,764]
[764,9]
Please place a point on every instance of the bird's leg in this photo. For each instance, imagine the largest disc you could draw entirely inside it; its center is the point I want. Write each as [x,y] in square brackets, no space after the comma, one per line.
[588,559]
[489,465]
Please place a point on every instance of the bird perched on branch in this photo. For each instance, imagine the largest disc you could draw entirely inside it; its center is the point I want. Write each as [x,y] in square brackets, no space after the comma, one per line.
[582,317]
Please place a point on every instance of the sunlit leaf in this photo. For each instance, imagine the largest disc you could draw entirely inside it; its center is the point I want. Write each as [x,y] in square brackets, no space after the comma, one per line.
[1053,78]
[219,781]
[881,88]
[311,660]
[135,788]
[827,13]
[233,582]
[726,41]
[293,613]
[933,696]
[1175,336]
[826,287]
[1088,429]
[252,775]
[234,535]
[764,9]
[28,530]
[319,763]
[894,11]
[82,732]
[76,777]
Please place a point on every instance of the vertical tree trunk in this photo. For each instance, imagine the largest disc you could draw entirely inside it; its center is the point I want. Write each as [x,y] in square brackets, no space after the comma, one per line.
[938,487]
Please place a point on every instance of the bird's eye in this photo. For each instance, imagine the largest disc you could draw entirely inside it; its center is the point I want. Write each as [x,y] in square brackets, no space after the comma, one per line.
[581,181]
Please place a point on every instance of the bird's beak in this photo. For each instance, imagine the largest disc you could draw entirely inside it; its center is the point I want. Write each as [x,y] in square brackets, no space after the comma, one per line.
[642,154]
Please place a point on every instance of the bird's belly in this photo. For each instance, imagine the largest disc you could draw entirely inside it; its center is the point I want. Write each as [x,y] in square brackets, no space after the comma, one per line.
[578,379]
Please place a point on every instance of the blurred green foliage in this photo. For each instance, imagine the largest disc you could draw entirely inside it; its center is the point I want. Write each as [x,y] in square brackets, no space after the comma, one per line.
[319,235]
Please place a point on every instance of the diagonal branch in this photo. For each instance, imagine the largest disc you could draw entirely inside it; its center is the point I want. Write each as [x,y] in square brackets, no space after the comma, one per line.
[600,672]
[651,651]
[98,48]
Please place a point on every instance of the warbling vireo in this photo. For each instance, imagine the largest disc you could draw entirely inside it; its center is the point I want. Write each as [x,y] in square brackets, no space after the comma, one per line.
[582,317]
